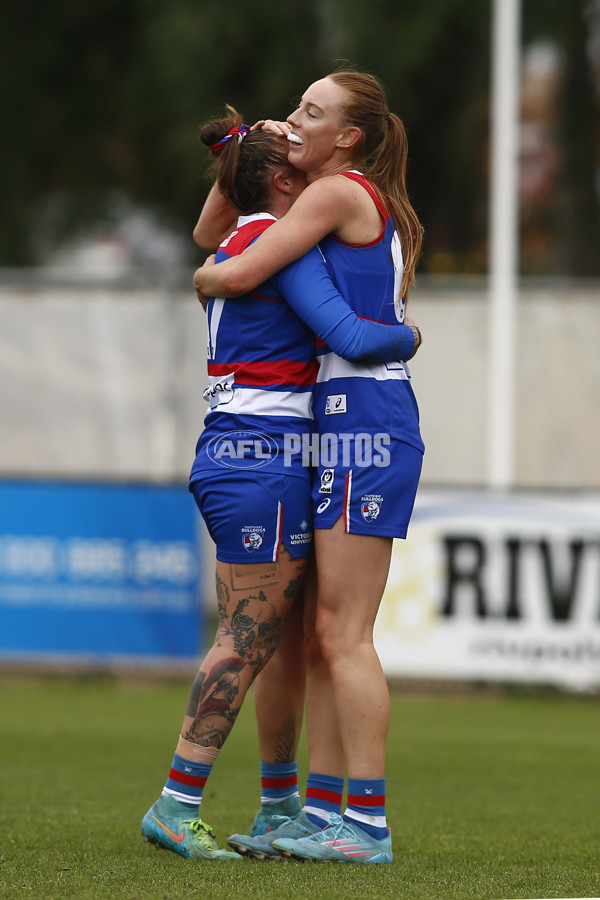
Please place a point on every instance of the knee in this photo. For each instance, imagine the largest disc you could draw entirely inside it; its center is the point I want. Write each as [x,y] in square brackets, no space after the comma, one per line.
[318,639]
[329,641]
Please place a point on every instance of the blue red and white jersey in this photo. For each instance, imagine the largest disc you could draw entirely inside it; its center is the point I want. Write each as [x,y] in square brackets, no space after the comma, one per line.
[261,367]
[350,397]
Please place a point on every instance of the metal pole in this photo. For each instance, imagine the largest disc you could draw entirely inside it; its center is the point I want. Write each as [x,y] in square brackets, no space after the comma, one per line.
[503,231]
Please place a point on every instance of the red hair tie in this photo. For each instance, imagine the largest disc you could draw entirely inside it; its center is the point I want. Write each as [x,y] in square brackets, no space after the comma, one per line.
[240,130]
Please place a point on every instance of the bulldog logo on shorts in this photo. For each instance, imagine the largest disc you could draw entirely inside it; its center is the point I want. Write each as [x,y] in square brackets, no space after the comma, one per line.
[252,537]
[370,506]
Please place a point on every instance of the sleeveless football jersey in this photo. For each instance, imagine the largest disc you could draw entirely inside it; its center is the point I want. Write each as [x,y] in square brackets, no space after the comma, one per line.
[367,398]
[262,370]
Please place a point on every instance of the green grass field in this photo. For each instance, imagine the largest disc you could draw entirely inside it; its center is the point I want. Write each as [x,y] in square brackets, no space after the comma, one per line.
[488,797]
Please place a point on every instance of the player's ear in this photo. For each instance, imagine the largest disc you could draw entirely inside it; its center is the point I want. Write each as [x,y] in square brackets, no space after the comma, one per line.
[283,183]
[349,137]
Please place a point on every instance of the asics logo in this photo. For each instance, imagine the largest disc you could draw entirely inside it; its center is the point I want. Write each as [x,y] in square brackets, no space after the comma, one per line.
[178,838]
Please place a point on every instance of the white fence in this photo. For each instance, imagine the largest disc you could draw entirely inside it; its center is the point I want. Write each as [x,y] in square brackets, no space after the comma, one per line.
[101,382]
[107,381]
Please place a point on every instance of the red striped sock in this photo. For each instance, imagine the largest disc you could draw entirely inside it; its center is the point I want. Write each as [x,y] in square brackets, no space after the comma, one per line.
[278,781]
[186,781]
[323,797]
[366,806]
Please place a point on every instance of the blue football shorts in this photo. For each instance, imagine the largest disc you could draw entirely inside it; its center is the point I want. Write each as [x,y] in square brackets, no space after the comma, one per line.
[250,515]
[372,499]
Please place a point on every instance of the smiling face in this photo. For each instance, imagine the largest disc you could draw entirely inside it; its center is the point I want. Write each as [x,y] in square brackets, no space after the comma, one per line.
[321,139]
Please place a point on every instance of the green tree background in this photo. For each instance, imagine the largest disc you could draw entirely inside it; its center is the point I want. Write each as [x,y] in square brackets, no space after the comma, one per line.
[106,96]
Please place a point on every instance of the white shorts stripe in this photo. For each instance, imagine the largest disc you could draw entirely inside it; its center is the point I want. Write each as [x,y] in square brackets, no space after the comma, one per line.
[277,532]
[347,500]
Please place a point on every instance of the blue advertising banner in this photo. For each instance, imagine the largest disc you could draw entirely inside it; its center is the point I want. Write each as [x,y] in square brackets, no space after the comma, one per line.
[98,572]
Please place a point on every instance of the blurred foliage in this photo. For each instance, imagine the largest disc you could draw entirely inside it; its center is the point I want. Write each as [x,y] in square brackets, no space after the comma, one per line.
[107,96]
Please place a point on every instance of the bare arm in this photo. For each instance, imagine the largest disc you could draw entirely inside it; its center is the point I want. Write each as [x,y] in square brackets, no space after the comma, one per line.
[324,206]
[217,220]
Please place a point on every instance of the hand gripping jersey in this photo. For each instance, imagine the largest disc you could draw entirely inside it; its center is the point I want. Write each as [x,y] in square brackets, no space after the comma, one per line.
[359,398]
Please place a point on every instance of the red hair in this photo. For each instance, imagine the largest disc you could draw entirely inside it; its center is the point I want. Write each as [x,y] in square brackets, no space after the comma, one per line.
[382,154]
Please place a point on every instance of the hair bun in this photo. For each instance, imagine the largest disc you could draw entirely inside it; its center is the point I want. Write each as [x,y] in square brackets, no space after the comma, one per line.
[213,132]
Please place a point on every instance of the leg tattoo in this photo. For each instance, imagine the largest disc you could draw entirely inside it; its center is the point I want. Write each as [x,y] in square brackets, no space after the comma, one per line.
[285,750]
[214,696]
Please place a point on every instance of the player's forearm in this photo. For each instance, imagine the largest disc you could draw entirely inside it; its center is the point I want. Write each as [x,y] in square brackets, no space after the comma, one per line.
[312,216]
[222,280]
[387,343]
[217,220]
[313,296]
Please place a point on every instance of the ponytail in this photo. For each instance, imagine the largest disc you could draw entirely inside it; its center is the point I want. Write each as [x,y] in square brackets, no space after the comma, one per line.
[243,161]
[382,152]
[388,174]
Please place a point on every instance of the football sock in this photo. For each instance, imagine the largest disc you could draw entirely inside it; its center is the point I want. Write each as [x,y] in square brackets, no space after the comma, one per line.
[278,781]
[366,806]
[323,796]
[186,781]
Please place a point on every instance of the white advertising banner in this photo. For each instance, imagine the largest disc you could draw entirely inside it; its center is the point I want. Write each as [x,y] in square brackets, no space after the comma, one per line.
[500,588]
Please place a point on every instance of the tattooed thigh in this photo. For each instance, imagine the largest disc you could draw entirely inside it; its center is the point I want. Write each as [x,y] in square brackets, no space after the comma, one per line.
[252,611]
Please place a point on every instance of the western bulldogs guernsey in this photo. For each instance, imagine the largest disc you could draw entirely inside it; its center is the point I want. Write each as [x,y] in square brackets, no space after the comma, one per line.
[369,410]
[374,398]
[262,370]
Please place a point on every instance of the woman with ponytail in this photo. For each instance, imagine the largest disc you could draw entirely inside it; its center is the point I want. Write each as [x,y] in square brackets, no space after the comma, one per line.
[353,151]
[249,478]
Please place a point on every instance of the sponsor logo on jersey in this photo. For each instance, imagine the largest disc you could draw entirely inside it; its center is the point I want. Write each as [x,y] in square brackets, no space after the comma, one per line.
[220,390]
[242,450]
[327,477]
[323,506]
[336,404]
[370,506]
[252,537]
